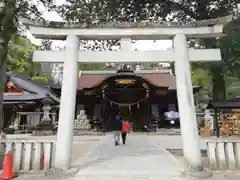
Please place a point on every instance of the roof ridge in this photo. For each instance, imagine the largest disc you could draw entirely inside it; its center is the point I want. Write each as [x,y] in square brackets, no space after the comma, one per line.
[26,78]
[167,71]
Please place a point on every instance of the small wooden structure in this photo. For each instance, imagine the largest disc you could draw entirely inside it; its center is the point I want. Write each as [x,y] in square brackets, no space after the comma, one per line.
[227,117]
[26,103]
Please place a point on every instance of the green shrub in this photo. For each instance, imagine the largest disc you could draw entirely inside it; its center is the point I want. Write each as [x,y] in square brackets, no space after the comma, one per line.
[40,80]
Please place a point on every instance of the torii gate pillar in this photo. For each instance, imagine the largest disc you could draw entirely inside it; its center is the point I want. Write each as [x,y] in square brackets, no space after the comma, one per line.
[190,137]
[67,105]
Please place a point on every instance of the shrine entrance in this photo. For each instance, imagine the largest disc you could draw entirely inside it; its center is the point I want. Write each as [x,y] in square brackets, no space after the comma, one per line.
[127,96]
[125,113]
[135,115]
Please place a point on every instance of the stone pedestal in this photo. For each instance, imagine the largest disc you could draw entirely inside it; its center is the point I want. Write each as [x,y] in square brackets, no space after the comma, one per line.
[204,174]
[45,127]
[44,132]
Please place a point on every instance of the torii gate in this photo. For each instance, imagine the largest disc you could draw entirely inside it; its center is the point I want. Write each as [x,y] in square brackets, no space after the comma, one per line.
[181,55]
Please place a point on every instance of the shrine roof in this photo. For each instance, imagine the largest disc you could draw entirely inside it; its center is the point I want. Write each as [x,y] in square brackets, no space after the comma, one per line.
[224,104]
[30,91]
[92,79]
[88,80]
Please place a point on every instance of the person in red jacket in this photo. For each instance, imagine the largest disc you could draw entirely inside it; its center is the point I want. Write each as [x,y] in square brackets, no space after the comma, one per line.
[125,127]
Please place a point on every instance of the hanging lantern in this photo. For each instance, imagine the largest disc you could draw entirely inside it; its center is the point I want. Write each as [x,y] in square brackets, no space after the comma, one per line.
[129,108]
[138,106]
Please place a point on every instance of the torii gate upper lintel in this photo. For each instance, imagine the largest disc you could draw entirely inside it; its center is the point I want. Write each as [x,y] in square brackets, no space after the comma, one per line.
[180,54]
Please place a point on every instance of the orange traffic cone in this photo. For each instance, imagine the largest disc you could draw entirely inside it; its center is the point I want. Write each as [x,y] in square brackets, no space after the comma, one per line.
[7,172]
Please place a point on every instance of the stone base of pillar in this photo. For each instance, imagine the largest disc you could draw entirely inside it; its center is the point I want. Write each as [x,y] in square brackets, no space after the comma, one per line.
[44,133]
[44,129]
[204,174]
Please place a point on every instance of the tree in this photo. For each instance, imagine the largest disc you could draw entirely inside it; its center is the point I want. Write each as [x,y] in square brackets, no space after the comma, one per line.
[41,80]
[95,11]
[10,11]
[46,44]
[233,87]
[20,56]
[207,9]
[230,46]
[201,78]
[7,15]
[100,11]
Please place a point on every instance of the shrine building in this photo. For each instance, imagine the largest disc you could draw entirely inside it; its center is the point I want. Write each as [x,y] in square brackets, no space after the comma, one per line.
[139,97]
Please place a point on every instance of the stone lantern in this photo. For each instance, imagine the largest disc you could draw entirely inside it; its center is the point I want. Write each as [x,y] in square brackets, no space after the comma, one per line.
[45,127]
[46,109]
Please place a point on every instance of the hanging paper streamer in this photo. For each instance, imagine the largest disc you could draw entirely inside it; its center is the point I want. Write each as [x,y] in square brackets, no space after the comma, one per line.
[126,104]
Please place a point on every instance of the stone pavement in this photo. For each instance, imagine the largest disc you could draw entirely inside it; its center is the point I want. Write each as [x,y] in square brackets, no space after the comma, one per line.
[172,142]
[142,158]
[138,159]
